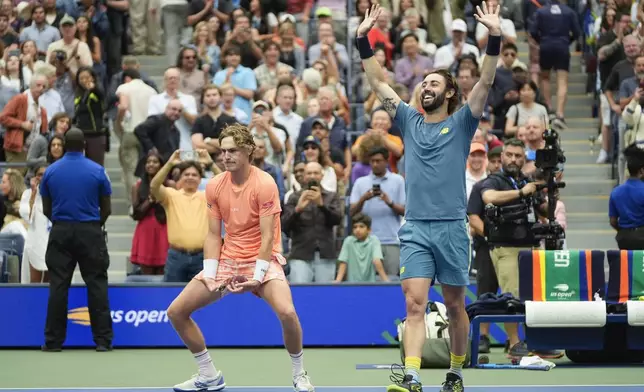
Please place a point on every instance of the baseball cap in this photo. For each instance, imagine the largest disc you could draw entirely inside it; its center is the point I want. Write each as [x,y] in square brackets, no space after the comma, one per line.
[495,152]
[519,64]
[459,25]
[263,104]
[474,147]
[286,17]
[311,140]
[66,20]
[320,122]
[323,11]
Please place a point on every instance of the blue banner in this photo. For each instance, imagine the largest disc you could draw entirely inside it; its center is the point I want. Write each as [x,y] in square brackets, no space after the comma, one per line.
[338,315]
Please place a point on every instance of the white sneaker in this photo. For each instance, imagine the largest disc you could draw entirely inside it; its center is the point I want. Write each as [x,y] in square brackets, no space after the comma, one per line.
[199,384]
[603,156]
[302,383]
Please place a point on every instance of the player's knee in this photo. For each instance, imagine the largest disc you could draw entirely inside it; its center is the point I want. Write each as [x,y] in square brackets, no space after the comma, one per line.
[454,302]
[415,307]
[287,314]
[176,314]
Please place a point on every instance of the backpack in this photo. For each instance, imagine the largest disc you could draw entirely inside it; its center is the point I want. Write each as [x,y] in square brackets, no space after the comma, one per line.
[436,351]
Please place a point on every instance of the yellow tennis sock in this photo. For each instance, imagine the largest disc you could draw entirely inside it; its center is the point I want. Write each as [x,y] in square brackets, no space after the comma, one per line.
[412,366]
[456,364]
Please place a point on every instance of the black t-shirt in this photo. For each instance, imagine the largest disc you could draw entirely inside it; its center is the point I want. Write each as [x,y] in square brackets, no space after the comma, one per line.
[248,58]
[622,71]
[508,231]
[195,7]
[607,65]
[208,127]
[475,206]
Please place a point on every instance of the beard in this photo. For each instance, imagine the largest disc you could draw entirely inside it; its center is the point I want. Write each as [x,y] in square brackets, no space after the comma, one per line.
[434,103]
[511,169]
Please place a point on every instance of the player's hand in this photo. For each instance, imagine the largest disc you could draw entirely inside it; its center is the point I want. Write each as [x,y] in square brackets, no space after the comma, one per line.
[370,18]
[488,16]
[238,288]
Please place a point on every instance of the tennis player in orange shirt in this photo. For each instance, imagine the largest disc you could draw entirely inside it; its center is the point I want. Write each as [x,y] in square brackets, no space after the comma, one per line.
[246,199]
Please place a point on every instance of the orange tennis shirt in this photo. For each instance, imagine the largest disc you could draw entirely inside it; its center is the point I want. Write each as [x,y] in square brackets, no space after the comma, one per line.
[240,208]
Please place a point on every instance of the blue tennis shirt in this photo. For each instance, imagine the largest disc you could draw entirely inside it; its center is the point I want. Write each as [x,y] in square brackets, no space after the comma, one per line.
[435,161]
[75,184]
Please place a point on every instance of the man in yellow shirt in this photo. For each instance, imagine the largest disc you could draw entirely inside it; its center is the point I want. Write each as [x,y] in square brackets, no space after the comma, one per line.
[187,218]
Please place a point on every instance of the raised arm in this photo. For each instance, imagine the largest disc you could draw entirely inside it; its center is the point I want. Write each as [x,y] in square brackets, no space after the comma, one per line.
[372,69]
[157,190]
[478,97]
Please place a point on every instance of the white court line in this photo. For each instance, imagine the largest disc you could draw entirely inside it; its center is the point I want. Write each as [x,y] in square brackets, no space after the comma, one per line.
[321,386]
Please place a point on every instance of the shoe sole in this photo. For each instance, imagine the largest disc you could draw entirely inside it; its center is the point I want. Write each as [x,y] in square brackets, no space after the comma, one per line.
[396,388]
[215,388]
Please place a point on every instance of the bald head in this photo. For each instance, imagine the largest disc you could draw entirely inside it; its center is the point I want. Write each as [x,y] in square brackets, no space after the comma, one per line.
[74,140]
[313,172]
[173,110]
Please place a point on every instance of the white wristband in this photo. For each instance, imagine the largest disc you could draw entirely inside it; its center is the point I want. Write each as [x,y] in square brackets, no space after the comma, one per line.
[210,268]
[261,267]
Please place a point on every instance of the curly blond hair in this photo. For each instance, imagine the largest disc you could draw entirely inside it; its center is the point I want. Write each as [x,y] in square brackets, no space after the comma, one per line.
[241,136]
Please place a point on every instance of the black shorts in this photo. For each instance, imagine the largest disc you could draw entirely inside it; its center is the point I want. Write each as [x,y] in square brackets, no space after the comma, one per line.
[486,281]
[552,58]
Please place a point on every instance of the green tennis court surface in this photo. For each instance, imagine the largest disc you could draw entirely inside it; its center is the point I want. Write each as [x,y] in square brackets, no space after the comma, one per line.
[269,370]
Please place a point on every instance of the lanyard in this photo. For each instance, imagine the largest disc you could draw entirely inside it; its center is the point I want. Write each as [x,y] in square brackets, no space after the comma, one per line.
[515,185]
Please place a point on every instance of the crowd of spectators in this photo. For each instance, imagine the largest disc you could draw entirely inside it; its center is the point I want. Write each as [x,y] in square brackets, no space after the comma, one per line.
[289,72]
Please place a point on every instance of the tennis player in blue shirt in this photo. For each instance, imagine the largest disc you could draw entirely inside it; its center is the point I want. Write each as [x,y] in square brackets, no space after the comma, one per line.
[434,241]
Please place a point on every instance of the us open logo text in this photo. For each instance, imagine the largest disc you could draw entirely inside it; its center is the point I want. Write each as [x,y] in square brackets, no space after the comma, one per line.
[80,316]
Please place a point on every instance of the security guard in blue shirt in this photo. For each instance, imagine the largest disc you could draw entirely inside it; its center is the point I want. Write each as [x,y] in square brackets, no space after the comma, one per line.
[626,203]
[76,197]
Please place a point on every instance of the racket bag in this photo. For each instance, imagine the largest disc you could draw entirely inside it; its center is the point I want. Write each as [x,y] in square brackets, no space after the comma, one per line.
[436,350]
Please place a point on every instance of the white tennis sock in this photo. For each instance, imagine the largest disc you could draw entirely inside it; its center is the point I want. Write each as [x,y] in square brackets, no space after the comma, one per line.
[297,360]
[206,367]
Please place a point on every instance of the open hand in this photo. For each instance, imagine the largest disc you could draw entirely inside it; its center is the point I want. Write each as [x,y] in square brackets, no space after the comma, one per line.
[370,18]
[489,17]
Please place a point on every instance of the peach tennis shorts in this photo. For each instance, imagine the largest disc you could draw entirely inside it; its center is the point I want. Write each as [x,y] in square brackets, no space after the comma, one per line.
[229,268]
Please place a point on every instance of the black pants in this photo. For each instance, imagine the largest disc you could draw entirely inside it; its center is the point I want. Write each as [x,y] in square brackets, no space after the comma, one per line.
[630,239]
[486,281]
[83,243]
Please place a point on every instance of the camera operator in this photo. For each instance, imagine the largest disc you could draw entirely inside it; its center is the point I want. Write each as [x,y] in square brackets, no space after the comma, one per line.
[509,190]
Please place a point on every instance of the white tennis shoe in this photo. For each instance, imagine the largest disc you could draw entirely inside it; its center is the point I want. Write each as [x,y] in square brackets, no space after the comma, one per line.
[199,384]
[302,383]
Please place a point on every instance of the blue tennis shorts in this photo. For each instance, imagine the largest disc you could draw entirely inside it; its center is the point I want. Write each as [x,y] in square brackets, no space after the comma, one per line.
[435,250]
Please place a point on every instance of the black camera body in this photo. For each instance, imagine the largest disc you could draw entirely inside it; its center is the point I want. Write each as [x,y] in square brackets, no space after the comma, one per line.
[548,160]
[549,157]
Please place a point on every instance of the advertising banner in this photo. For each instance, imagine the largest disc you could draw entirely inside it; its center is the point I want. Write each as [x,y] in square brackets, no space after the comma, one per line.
[337,315]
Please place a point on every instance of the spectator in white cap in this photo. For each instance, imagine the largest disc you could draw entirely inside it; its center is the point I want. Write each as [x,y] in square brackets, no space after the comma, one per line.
[446,55]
